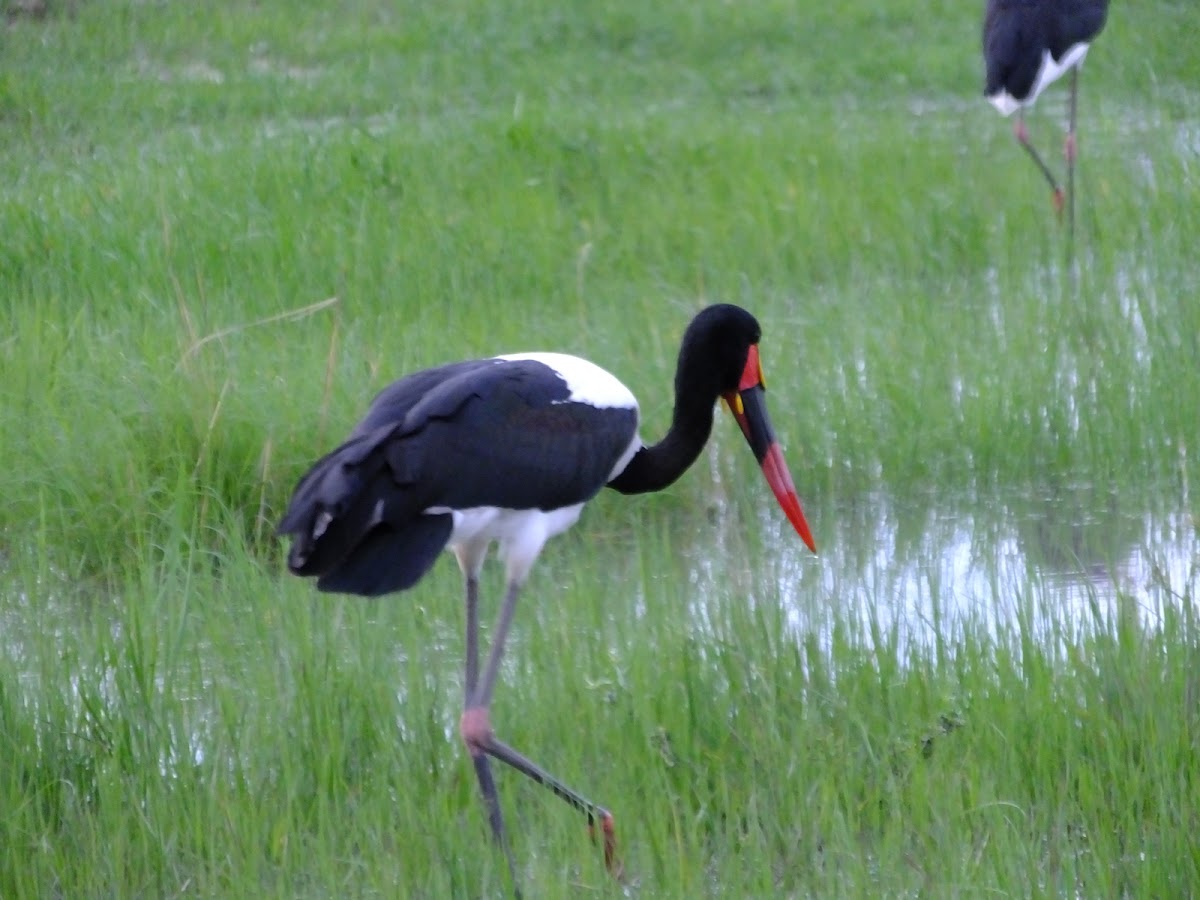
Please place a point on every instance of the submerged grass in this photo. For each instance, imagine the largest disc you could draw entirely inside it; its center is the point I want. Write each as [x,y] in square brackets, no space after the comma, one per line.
[223,232]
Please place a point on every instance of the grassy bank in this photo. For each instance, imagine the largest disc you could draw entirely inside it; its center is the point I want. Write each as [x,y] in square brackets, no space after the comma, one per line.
[189,194]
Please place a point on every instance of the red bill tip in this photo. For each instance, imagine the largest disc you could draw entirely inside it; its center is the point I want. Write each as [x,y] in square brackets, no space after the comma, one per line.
[780,480]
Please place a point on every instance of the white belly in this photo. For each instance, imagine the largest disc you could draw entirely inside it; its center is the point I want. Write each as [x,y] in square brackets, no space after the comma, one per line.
[520,533]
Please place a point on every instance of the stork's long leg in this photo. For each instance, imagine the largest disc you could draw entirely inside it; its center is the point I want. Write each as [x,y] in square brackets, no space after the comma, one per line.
[482,695]
[481,741]
[472,642]
[1021,132]
[483,769]
[1071,150]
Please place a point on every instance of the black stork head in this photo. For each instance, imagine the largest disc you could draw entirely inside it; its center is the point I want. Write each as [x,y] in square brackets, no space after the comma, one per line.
[720,351]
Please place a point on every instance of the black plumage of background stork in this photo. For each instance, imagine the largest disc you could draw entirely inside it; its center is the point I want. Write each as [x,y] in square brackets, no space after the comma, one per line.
[508,450]
[1028,45]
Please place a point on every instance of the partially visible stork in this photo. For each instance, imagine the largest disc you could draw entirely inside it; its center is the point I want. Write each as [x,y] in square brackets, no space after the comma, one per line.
[508,450]
[1027,45]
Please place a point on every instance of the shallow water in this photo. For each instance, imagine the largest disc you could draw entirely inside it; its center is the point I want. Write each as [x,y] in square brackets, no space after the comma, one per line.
[920,571]
[916,572]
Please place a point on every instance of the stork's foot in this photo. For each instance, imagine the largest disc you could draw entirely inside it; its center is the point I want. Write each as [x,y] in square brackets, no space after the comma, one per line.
[608,829]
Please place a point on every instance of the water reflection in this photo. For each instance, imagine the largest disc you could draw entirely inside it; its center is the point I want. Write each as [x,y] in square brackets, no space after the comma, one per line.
[921,570]
[917,572]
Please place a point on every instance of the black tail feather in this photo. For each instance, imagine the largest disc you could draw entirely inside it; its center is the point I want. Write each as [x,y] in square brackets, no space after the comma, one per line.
[389,560]
[357,522]
[329,481]
[337,522]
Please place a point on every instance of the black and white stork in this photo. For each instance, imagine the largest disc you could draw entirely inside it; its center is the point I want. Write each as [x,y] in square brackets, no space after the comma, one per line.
[508,450]
[1028,45]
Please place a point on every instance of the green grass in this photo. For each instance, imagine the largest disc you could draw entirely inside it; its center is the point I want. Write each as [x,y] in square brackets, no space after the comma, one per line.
[206,735]
[225,228]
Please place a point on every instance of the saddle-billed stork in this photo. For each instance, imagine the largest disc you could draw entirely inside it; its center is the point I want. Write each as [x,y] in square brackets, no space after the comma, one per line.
[1028,45]
[508,450]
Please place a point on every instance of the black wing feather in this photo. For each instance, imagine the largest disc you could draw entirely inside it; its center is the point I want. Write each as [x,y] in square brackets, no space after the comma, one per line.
[392,405]
[1074,22]
[388,560]
[482,433]
[1017,32]
[1014,35]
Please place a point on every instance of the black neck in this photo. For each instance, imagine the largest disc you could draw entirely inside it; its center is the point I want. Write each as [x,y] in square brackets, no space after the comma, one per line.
[655,467]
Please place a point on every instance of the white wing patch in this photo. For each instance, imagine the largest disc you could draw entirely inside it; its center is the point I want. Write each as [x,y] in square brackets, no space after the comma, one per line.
[587,382]
[1006,104]
[1048,73]
[1051,70]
